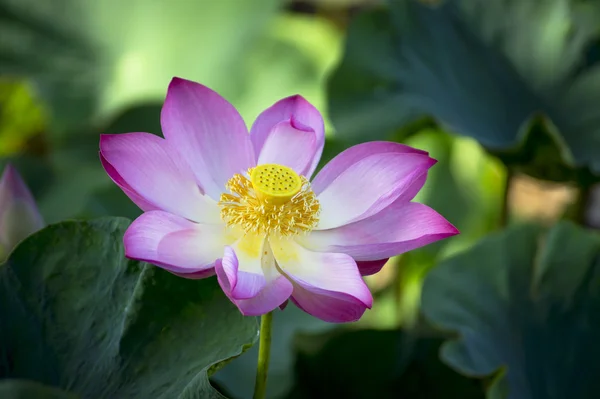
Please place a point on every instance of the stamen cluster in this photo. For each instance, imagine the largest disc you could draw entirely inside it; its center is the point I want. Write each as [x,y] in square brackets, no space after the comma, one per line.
[261,215]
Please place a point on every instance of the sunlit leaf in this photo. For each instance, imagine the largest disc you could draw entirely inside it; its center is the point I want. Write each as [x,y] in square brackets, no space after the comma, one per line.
[21,116]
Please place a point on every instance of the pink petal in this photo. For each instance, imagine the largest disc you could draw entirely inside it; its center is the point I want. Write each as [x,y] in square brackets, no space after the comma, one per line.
[354,154]
[332,307]
[208,132]
[289,146]
[399,228]
[303,116]
[19,215]
[369,185]
[175,243]
[254,291]
[326,285]
[137,199]
[272,296]
[197,275]
[369,267]
[242,270]
[155,176]
[227,269]
[275,294]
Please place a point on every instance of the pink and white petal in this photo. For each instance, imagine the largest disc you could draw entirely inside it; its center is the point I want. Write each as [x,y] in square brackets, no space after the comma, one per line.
[273,295]
[175,243]
[226,269]
[399,228]
[243,267]
[352,155]
[155,172]
[370,185]
[288,146]
[239,278]
[369,267]
[326,285]
[208,132]
[302,115]
[133,195]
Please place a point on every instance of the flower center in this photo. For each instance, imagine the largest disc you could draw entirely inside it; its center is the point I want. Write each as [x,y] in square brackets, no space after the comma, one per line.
[274,200]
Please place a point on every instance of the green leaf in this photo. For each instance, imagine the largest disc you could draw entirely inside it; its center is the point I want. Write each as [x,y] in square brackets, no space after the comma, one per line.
[482,68]
[526,300]
[80,316]
[376,364]
[22,389]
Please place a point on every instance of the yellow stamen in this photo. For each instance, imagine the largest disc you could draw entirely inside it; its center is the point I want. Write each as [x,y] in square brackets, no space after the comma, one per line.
[275,200]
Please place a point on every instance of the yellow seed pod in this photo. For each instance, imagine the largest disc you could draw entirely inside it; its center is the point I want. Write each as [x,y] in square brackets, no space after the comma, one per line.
[275,183]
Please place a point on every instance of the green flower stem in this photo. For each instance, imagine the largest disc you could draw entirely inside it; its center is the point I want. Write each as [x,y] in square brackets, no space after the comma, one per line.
[264,351]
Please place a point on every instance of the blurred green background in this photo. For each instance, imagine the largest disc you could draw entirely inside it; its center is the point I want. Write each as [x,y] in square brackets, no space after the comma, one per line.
[73,69]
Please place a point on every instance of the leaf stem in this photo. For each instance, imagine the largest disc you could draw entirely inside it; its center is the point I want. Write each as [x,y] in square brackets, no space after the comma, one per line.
[264,351]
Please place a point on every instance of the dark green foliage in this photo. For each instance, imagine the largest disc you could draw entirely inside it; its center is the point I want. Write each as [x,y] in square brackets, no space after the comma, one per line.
[528,300]
[481,68]
[78,315]
[383,364]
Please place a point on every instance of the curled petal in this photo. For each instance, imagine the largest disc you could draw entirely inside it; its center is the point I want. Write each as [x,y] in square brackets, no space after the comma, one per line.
[242,270]
[326,285]
[227,269]
[208,132]
[153,174]
[399,228]
[301,114]
[369,185]
[176,244]
[252,281]
[289,146]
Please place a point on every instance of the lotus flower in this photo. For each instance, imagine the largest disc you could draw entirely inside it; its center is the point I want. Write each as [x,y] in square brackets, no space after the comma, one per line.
[19,216]
[217,199]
